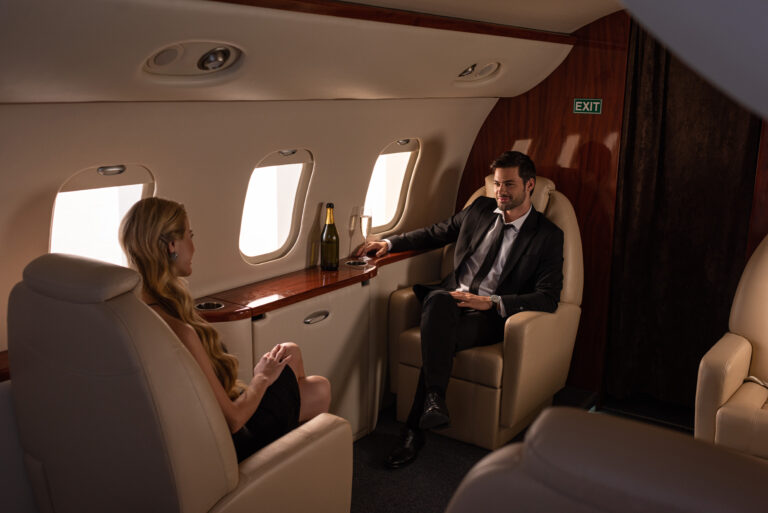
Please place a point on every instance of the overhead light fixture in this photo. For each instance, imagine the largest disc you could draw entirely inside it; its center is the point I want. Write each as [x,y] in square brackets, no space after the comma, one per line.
[468,71]
[478,73]
[214,59]
[193,58]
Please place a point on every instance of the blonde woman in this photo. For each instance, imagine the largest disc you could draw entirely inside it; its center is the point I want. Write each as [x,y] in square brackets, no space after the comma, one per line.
[156,236]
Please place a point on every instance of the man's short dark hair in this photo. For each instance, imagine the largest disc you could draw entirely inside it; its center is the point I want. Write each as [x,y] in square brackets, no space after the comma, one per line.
[524,164]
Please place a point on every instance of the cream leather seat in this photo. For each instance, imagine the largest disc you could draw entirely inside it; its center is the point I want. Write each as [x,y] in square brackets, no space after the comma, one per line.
[729,410]
[574,461]
[114,414]
[497,390]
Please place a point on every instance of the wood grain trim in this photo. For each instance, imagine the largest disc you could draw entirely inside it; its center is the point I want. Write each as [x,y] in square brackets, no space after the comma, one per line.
[758,221]
[399,17]
[264,296]
[5,367]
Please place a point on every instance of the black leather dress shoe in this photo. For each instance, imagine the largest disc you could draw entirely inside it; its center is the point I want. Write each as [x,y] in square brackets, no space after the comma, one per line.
[411,440]
[435,412]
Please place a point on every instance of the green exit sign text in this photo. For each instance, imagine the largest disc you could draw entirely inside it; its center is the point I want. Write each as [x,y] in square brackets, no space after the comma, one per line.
[587,105]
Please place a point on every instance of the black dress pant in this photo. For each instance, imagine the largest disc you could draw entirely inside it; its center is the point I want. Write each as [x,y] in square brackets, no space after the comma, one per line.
[446,329]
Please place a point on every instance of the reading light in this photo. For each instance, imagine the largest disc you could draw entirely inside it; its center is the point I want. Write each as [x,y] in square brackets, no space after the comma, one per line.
[468,71]
[214,59]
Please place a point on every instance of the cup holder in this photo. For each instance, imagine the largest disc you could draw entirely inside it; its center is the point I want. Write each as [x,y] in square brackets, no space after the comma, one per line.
[209,305]
[356,263]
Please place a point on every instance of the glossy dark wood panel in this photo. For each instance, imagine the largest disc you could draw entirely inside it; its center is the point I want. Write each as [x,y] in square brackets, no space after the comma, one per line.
[580,152]
[758,222]
[287,289]
[399,17]
[5,367]
[264,296]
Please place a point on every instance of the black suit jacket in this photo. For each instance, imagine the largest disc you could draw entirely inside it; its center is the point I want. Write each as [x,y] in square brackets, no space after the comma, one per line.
[532,277]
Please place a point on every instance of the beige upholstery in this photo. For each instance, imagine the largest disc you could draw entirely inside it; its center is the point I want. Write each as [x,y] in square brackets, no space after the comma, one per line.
[115,415]
[730,411]
[497,390]
[579,462]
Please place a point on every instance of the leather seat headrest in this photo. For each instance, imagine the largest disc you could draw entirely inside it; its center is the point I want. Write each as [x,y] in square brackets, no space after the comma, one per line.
[78,279]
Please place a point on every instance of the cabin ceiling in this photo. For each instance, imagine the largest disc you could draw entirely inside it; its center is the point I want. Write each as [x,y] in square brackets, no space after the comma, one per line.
[99,50]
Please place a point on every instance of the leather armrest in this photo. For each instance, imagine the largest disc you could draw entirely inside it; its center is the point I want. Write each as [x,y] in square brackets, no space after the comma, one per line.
[576,461]
[308,469]
[721,372]
[404,313]
[537,356]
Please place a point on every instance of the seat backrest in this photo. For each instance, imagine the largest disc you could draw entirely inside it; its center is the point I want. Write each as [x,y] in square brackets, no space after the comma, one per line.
[555,207]
[14,486]
[113,412]
[572,460]
[749,312]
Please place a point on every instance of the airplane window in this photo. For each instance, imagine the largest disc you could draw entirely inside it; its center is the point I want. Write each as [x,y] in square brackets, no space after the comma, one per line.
[273,205]
[87,214]
[385,198]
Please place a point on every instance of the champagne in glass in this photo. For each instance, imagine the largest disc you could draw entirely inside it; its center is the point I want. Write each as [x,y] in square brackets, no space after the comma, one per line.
[365,228]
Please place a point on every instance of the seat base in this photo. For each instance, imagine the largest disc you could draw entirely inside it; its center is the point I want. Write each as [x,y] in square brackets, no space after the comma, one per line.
[474,410]
[741,423]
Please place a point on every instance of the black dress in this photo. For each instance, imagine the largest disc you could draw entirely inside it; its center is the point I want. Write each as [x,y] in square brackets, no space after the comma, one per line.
[277,414]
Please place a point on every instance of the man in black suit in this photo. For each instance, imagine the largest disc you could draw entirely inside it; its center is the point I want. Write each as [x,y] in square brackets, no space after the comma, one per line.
[508,258]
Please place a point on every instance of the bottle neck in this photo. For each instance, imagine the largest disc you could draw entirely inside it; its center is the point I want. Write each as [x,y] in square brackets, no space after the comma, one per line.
[329,215]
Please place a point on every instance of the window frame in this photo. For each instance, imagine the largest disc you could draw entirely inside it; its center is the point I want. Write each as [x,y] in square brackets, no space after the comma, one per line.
[281,158]
[413,145]
[95,177]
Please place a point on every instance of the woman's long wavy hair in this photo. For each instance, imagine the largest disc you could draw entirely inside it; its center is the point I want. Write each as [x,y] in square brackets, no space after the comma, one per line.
[145,232]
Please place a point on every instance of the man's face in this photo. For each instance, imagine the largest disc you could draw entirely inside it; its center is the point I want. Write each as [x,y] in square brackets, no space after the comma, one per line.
[509,187]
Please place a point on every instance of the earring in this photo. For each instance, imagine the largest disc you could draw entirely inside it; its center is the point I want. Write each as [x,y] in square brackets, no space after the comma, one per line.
[174,256]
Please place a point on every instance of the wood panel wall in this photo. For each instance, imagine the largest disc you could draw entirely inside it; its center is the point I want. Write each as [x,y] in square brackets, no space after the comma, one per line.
[580,152]
[758,222]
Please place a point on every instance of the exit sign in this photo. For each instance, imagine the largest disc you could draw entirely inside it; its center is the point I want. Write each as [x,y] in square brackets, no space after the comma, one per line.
[587,105]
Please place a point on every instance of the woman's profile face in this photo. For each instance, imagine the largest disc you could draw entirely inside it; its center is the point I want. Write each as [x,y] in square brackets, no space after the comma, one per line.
[184,248]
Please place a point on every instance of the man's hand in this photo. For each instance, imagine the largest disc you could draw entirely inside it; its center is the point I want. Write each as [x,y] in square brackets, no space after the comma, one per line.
[379,246]
[475,302]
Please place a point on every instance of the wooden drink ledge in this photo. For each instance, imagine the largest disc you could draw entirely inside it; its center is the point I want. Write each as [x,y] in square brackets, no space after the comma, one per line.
[261,297]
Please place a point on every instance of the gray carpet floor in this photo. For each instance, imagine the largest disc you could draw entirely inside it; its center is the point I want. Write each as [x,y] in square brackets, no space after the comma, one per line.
[425,486]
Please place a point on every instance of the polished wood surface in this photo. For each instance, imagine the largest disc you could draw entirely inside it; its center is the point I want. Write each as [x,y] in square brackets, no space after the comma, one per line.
[5,368]
[399,17]
[264,296]
[758,222]
[580,153]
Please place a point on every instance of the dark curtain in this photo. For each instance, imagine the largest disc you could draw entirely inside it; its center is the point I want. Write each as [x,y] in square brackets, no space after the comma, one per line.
[686,176]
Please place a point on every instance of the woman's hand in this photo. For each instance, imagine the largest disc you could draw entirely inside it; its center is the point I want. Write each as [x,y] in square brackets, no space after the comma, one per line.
[271,364]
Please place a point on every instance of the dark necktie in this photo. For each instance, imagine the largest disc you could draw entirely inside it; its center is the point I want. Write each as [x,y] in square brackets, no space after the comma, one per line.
[490,258]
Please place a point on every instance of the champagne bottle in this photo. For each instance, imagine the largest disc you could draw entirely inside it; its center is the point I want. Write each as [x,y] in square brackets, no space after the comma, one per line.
[329,242]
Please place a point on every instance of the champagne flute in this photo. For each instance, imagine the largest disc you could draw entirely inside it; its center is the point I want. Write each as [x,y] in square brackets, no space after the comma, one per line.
[365,228]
